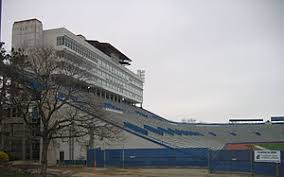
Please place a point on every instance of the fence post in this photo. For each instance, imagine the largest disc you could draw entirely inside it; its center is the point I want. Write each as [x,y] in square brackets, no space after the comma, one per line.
[251,162]
[209,161]
[123,157]
[104,158]
[277,169]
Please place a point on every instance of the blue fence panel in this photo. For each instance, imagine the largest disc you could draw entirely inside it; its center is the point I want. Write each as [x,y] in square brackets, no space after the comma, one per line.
[92,154]
[231,155]
[223,160]
[112,157]
[148,157]
[281,168]
[265,168]
[231,166]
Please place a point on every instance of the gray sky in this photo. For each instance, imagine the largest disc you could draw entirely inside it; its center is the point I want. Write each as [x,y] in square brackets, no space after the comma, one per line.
[204,59]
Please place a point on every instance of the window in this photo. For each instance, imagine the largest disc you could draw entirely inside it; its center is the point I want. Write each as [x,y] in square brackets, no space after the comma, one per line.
[14,112]
[18,129]
[19,113]
[8,112]
[73,45]
[60,40]
[35,146]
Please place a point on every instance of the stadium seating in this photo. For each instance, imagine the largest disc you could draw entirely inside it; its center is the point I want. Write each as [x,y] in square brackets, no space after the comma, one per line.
[184,135]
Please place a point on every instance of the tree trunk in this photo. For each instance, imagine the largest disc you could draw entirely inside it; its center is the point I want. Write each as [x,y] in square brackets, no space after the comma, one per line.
[2,113]
[43,170]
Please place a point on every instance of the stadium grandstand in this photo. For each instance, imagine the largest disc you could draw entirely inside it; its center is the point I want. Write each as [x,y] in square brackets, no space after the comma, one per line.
[119,90]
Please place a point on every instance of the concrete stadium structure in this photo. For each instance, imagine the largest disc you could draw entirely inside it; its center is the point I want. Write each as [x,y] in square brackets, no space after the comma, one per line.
[119,90]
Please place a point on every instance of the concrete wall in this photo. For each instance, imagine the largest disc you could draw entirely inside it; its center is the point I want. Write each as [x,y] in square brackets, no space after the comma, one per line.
[125,141]
[27,34]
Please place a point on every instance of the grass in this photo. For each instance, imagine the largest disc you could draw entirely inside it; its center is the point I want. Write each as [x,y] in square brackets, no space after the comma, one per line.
[273,146]
[13,174]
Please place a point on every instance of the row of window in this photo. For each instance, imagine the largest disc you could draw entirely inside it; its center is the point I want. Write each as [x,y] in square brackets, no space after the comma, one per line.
[118,83]
[107,95]
[12,112]
[113,86]
[19,129]
[15,129]
[70,43]
[15,112]
[109,82]
[73,45]
[28,28]
[123,75]
[110,77]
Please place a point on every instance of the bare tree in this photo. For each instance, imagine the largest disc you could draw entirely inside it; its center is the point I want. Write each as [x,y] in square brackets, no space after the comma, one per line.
[93,129]
[47,82]
[4,88]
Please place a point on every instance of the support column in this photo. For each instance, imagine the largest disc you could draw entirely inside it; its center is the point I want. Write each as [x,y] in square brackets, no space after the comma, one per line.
[23,148]
[24,142]
[31,150]
[2,137]
[2,141]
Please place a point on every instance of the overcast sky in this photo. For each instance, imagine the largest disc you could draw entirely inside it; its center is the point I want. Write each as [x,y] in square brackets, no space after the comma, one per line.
[205,59]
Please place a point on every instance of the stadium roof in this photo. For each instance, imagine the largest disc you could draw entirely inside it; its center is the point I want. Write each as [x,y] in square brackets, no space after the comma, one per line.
[108,49]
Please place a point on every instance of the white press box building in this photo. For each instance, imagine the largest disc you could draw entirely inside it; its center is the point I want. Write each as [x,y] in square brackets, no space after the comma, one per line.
[113,80]
[105,61]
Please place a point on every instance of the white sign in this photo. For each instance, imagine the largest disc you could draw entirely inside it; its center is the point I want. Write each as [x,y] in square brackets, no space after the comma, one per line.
[267,156]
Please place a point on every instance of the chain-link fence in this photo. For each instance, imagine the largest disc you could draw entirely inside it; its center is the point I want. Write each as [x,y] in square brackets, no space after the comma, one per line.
[216,161]
[242,161]
[148,157]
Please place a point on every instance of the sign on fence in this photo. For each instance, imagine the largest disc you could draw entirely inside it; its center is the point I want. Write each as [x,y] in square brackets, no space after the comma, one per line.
[267,156]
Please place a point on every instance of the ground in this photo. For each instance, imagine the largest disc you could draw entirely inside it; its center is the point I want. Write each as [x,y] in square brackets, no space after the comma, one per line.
[13,174]
[163,172]
[82,171]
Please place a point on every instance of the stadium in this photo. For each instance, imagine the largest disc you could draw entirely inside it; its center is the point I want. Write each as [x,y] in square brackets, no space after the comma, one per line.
[149,140]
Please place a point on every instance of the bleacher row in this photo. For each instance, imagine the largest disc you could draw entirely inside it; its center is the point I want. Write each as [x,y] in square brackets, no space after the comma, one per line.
[157,129]
[160,131]
[180,135]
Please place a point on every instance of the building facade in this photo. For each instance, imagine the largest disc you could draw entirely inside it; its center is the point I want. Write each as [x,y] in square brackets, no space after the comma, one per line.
[107,65]
[110,80]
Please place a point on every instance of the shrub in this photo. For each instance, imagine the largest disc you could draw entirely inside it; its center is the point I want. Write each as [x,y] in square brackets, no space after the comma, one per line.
[3,157]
